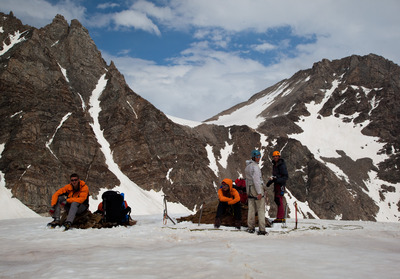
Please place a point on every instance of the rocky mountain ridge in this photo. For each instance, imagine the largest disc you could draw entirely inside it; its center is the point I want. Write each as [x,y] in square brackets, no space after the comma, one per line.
[47,79]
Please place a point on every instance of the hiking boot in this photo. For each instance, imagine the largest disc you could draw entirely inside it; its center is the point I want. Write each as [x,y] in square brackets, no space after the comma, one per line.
[67,225]
[278,220]
[262,233]
[54,223]
[238,224]
[250,230]
[217,223]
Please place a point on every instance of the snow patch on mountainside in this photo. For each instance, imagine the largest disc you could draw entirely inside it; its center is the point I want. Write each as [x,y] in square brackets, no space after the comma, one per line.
[250,114]
[14,39]
[141,201]
[184,122]
[213,162]
[386,200]
[225,152]
[10,207]
[320,134]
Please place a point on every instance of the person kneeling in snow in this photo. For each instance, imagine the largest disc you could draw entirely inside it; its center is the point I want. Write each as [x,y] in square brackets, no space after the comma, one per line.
[228,196]
[74,197]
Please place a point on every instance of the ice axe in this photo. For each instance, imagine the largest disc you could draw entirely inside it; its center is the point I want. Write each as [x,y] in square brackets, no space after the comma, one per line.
[295,207]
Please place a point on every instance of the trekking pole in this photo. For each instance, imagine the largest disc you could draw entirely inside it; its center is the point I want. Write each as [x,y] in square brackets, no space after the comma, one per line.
[201,211]
[295,207]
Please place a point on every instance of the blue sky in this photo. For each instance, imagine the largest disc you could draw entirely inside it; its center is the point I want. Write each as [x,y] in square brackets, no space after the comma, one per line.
[195,58]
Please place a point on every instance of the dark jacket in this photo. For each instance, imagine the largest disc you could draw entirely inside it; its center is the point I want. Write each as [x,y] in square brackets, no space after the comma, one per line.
[279,172]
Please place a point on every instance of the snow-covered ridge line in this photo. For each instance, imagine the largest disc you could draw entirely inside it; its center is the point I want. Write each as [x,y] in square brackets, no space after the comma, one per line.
[250,114]
[183,122]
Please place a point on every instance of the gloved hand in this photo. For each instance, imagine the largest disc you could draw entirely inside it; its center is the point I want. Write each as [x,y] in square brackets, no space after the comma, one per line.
[51,211]
[282,190]
[269,183]
[63,203]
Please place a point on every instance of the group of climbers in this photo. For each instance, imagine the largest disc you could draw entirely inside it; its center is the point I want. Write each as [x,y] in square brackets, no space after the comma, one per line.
[255,194]
[74,197]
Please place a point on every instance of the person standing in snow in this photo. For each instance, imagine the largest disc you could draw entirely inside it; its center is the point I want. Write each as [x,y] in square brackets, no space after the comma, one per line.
[256,192]
[279,177]
[228,196]
[74,197]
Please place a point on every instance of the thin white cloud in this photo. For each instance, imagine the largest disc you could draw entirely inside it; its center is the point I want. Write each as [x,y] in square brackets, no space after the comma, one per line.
[108,5]
[264,47]
[164,14]
[198,84]
[138,20]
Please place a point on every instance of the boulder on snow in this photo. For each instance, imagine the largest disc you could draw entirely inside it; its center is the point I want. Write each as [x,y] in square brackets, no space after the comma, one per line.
[89,220]
[210,211]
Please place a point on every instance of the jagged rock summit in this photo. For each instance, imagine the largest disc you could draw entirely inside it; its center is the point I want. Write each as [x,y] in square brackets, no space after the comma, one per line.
[64,110]
[48,77]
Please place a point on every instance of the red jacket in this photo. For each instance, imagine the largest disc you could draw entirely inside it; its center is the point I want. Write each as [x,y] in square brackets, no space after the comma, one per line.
[100,206]
[73,196]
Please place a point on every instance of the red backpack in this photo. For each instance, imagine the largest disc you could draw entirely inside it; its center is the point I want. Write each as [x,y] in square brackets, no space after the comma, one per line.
[240,186]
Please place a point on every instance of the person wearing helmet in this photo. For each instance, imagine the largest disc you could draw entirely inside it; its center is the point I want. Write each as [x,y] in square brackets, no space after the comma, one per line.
[256,191]
[279,177]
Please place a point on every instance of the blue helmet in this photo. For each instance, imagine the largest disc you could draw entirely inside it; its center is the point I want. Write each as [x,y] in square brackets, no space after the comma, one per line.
[255,153]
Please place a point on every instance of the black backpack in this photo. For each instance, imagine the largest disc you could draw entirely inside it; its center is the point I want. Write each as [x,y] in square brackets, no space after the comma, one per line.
[114,207]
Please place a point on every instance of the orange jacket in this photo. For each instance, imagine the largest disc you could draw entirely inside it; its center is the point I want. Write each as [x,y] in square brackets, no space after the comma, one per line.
[79,196]
[232,196]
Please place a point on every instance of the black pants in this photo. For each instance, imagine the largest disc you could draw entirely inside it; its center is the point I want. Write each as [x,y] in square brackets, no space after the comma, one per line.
[223,206]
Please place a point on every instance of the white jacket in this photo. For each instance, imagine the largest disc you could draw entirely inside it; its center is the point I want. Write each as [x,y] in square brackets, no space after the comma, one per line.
[253,178]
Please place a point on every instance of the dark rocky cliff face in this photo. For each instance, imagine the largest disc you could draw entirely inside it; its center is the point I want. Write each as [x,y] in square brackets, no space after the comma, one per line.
[47,80]
[47,132]
[35,98]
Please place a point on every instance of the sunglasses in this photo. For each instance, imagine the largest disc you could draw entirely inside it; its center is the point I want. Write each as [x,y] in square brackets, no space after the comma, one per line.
[73,180]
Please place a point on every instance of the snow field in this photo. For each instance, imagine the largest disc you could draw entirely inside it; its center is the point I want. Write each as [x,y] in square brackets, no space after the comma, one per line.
[317,249]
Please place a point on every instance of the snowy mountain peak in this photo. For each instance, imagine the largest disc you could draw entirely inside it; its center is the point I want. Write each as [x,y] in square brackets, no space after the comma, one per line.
[336,125]
[344,113]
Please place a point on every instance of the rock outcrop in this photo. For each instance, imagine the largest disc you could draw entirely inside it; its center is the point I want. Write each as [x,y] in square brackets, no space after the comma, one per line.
[48,78]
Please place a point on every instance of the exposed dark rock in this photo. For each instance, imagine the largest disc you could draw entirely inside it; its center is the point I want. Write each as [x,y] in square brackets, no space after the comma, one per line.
[88,220]
[47,79]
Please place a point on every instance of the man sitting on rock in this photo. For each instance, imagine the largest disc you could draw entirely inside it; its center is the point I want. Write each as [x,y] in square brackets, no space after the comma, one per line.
[228,196]
[74,197]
